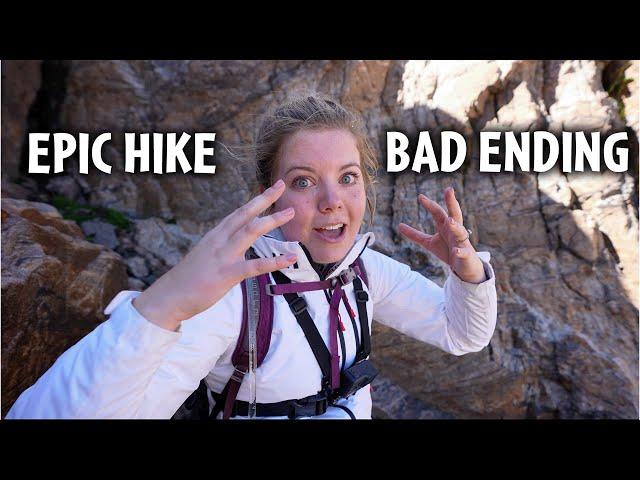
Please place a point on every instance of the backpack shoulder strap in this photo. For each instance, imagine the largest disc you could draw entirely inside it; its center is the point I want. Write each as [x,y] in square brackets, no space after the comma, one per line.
[362,297]
[258,305]
[360,263]
[298,307]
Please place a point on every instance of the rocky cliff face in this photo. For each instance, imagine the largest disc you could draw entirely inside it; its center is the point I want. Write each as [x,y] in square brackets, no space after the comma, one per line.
[564,247]
[54,287]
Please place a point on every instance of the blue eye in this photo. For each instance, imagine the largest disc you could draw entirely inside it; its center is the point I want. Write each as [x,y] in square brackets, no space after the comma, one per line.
[301,182]
[348,178]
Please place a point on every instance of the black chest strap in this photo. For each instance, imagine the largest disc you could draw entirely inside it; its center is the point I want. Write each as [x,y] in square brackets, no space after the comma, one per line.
[361,301]
[298,306]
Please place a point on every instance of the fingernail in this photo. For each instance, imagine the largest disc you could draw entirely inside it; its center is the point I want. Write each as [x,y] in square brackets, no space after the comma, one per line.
[278,184]
[452,221]
[289,211]
[291,257]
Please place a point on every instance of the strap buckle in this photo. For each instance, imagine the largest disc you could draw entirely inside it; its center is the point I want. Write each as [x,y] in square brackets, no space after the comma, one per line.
[362,296]
[238,375]
[298,306]
[294,407]
[267,288]
[315,405]
[345,277]
[321,406]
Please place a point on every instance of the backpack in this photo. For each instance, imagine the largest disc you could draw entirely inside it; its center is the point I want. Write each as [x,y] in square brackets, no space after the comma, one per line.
[259,304]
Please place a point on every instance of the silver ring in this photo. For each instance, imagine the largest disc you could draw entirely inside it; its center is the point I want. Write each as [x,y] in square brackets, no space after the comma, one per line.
[469,232]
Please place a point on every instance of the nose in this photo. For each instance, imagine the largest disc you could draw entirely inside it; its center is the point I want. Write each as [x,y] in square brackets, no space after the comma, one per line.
[330,199]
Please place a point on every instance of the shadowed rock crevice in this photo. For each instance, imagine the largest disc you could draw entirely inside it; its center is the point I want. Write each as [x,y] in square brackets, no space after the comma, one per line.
[552,243]
[44,113]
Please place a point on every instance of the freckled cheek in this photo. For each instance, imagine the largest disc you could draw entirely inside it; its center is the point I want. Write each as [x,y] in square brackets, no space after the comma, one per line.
[357,204]
[299,227]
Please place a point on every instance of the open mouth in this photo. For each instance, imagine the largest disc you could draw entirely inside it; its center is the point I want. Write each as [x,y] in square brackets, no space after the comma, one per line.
[331,233]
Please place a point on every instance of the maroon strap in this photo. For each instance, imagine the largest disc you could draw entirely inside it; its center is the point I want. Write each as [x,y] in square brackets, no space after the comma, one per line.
[265,322]
[240,346]
[345,300]
[333,335]
[265,325]
[362,272]
[232,388]
[298,287]
[336,283]
[240,357]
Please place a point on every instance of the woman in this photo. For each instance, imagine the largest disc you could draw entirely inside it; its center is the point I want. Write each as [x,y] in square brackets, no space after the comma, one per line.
[149,356]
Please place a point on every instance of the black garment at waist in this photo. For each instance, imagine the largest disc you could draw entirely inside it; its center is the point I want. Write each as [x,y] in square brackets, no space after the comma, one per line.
[305,407]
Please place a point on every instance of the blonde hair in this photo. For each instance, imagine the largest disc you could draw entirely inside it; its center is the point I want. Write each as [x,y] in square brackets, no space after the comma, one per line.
[312,111]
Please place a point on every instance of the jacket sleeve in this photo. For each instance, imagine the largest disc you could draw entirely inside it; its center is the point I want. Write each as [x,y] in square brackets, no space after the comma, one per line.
[128,367]
[459,318]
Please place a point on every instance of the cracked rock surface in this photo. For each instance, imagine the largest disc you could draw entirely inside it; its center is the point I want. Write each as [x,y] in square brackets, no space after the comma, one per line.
[55,285]
[564,246]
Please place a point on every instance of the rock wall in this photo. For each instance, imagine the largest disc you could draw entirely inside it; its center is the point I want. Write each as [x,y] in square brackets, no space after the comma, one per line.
[55,285]
[20,83]
[564,247]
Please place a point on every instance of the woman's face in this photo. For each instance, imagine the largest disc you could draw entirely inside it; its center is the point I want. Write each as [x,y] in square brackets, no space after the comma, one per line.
[324,184]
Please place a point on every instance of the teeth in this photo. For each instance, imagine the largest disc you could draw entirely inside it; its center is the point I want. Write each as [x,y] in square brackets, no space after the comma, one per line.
[333,227]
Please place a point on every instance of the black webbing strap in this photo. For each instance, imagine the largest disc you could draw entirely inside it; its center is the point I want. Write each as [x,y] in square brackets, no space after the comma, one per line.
[361,301]
[353,324]
[221,399]
[298,307]
[310,406]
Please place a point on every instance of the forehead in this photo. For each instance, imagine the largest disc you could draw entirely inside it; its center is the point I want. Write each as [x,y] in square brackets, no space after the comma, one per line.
[318,149]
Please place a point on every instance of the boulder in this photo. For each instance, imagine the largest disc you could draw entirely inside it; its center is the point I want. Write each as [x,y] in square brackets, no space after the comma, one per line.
[55,285]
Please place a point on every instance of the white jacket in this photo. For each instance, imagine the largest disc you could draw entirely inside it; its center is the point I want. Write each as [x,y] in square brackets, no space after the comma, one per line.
[128,367]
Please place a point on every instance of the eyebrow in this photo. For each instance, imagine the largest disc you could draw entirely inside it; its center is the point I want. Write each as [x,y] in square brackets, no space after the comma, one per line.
[309,169]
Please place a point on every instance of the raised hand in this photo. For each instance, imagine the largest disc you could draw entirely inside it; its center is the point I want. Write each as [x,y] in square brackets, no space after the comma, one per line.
[451,242]
[215,264]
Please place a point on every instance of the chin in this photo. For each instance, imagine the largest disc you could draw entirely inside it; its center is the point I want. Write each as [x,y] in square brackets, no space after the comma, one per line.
[327,257]
[335,253]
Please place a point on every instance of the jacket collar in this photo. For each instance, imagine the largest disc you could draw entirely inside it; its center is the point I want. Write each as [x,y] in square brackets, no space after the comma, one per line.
[273,244]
